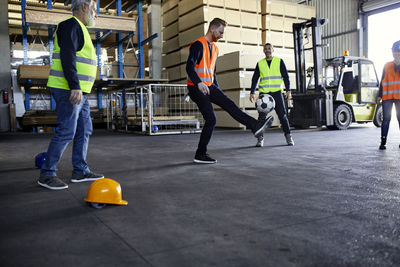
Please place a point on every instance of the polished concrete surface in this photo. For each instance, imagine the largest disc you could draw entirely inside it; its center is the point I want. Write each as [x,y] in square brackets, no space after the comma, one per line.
[331,200]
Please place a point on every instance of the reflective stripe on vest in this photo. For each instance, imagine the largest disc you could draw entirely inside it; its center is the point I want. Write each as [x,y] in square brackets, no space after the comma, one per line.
[86,64]
[270,76]
[390,83]
[81,77]
[205,68]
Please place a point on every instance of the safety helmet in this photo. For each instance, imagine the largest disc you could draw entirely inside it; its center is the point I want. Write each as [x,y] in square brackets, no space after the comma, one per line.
[396,46]
[40,159]
[105,191]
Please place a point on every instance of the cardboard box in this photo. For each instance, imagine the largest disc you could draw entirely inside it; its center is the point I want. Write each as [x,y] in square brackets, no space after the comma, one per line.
[176,73]
[280,39]
[170,45]
[186,6]
[168,5]
[225,48]
[239,60]
[190,35]
[234,80]
[130,70]
[170,16]
[170,31]
[287,9]
[202,14]
[171,59]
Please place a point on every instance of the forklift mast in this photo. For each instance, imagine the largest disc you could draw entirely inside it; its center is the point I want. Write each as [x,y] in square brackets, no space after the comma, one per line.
[299,31]
[314,108]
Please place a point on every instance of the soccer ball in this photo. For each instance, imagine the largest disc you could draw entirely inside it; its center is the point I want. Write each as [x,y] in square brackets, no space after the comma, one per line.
[265,104]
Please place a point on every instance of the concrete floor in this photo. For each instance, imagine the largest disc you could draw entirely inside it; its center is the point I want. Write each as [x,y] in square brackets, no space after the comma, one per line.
[331,200]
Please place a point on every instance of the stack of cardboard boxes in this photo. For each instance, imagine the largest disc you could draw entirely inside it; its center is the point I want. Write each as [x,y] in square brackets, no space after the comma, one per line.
[251,23]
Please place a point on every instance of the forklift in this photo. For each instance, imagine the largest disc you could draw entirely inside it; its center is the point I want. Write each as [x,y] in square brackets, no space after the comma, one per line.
[333,92]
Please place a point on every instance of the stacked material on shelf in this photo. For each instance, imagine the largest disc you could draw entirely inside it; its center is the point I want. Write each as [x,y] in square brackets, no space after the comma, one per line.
[242,33]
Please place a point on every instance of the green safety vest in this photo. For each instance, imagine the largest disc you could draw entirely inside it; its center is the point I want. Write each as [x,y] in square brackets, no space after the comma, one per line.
[86,64]
[270,77]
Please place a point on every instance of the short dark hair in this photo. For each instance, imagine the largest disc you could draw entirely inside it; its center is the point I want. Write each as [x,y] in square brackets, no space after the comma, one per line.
[217,22]
[268,44]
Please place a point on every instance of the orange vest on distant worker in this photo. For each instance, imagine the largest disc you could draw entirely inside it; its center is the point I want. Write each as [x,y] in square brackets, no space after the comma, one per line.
[205,69]
[390,83]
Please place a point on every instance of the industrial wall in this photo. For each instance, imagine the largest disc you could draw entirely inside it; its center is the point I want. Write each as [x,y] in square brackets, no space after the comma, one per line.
[341,32]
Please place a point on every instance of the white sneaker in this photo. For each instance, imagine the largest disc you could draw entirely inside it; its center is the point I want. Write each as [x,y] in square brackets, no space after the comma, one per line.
[260,141]
[289,139]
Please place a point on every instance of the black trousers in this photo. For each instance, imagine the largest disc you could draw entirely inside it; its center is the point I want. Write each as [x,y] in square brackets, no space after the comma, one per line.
[280,111]
[217,97]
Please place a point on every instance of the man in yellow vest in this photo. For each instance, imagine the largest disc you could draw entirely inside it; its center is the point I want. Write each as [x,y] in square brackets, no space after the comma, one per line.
[204,90]
[389,92]
[72,74]
[272,73]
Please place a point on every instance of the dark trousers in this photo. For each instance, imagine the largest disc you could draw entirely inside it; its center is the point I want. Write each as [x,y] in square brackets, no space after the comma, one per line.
[217,97]
[387,114]
[280,111]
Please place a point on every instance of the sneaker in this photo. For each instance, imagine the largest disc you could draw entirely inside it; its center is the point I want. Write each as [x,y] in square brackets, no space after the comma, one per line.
[262,125]
[289,139]
[91,176]
[260,141]
[52,182]
[204,159]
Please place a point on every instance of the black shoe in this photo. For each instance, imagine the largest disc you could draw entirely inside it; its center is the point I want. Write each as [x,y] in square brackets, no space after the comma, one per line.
[383,143]
[262,125]
[52,182]
[204,159]
[91,176]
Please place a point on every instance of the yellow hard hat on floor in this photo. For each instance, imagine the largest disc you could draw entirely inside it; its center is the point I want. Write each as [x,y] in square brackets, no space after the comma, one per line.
[105,191]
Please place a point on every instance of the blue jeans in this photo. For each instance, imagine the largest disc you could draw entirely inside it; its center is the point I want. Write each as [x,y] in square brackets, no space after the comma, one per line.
[73,123]
[387,114]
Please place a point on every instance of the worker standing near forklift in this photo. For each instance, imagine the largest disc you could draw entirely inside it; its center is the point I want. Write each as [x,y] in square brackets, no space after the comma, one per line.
[272,73]
[389,92]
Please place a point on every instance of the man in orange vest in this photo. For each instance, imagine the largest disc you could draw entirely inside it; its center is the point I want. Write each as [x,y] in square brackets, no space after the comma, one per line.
[203,89]
[389,92]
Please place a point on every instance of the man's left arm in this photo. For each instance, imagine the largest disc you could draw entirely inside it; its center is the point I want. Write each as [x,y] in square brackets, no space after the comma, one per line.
[215,76]
[285,76]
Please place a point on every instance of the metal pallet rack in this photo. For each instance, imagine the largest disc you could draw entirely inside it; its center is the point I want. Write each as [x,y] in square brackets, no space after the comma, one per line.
[100,36]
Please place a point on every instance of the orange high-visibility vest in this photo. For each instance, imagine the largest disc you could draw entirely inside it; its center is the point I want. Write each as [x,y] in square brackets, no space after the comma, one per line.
[390,83]
[205,69]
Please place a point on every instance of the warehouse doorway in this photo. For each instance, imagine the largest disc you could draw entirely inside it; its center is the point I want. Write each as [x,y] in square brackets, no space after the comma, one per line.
[382,33]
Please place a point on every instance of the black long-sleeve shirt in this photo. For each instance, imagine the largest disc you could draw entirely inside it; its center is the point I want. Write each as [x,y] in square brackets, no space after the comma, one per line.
[195,56]
[70,40]
[396,69]
[284,73]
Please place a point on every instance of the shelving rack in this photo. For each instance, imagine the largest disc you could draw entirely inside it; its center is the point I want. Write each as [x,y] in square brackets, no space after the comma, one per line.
[100,33]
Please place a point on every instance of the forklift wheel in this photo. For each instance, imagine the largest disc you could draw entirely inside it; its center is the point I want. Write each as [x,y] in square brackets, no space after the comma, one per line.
[378,118]
[342,117]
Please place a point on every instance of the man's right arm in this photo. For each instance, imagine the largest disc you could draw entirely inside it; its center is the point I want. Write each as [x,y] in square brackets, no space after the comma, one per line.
[254,81]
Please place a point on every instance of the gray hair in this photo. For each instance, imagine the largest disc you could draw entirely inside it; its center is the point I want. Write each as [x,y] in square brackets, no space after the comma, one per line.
[77,5]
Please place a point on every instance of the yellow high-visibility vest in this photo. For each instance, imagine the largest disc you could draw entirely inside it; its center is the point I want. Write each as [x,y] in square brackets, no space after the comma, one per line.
[86,64]
[270,76]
